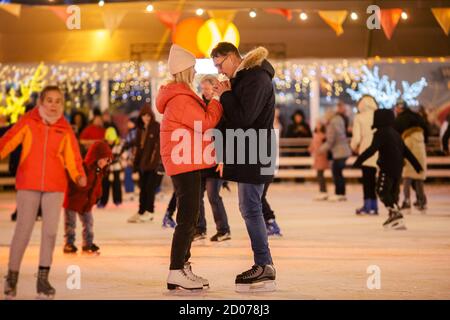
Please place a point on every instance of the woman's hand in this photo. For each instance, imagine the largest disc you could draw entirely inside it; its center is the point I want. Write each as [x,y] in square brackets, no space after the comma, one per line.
[220,169]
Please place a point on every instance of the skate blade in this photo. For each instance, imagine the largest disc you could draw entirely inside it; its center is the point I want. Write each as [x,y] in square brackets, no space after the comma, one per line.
[263,286]
[90,254]
[42,296]
[396,225]
[179,290]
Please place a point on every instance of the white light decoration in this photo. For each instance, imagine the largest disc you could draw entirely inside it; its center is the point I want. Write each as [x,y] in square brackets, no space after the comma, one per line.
[101,3]
[303,16]
[404,15]
[199,11]
[149,8]
[354,16]
[385,91]
[252,14]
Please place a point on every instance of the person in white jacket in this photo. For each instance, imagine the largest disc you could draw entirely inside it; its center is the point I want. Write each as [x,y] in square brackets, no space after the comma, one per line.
[361,140]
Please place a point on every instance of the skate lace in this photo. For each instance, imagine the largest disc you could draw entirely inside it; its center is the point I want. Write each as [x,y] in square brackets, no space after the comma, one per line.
[188,271]
[11,279]
[250,272]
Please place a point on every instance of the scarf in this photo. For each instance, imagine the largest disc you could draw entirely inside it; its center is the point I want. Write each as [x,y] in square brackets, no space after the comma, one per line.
[48,119]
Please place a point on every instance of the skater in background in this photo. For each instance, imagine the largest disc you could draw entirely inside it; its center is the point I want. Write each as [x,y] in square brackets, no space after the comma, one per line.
[361,140]
[146,162]
[41,180]
[269,215]
[391,154]
[320,159]
[78,121]
[94,131]
[129,151]
[168,221]
[299,127]
[248,100]
[337,143]
[182,108]
[115,168]
[414,131]
[212,185]
[80,200]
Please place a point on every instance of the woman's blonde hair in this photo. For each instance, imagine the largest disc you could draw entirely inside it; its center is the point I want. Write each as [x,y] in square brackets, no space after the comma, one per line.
[186,76]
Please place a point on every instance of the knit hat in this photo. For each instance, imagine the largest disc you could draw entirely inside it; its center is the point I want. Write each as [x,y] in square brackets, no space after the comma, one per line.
[180,59]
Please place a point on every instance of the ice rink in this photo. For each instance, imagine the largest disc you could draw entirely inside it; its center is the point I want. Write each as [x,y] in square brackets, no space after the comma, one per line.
[325,251]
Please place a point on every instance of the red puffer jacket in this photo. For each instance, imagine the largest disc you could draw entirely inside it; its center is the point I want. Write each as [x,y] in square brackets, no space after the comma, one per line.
[181,107]
[82,199]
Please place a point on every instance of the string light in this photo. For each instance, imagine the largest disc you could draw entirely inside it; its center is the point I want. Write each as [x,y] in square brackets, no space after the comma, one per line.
[149,8]
[354,16]
[404,15]
[199,11]
[303,16]
[252,14]
[101,3]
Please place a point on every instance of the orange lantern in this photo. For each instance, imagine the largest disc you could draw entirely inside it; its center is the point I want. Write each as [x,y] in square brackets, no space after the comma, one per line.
[185,35]
[214,31]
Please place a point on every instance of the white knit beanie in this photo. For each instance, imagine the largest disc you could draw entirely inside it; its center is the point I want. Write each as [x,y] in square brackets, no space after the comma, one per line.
[180,59]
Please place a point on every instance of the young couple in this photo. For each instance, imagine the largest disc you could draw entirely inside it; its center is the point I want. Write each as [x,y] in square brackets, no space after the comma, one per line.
[246,101]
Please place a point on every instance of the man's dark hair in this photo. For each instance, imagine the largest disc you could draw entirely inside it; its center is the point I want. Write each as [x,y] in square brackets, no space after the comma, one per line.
[223,49]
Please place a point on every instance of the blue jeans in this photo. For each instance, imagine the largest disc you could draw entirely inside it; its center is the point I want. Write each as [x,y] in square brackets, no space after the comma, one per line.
[70,222]
[338,178]
[128,179]
[250,206]
[212,187]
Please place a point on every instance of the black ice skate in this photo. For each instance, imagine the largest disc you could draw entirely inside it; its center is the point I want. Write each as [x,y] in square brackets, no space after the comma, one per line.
[44,289]
[406,207]
[257,279]
[91,250]
[199,236]
[395,220]
[220,236]
[69,248]
[10,289]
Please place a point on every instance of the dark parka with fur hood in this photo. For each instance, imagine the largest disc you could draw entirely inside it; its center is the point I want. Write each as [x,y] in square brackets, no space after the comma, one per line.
[251,105]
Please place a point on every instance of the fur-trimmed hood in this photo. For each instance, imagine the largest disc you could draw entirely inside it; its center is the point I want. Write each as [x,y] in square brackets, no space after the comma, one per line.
[256,58]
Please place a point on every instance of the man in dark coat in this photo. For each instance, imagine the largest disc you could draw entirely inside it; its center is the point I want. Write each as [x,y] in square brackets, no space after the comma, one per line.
[248,101]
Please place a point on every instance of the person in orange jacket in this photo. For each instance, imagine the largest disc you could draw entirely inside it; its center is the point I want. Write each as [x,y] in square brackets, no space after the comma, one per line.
[184,112]
[49,148]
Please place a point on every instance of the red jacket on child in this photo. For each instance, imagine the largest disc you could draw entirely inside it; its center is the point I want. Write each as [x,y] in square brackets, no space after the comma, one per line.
[82,199]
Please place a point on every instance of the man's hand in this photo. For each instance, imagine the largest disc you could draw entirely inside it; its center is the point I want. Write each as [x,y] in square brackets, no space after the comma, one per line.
[82,181]
[221,87]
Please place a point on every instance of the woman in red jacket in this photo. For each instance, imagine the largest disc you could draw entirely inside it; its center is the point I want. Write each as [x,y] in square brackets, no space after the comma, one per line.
[183,110]
[80,200]
[49,151]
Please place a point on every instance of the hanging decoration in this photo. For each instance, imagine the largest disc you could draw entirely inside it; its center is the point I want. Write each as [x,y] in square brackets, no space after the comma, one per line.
[223,18]
[287,13]
[209,35]
[168,18]
[59,11]
[185,35]
[335,19]
[442,16]
[389,19]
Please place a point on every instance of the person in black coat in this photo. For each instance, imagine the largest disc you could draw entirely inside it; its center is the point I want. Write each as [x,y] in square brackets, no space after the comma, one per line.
[391,153]
[248,101]
[446,136]
[299,128]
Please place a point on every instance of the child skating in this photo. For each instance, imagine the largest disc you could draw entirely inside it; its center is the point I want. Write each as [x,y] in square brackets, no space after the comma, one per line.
[50,153]
[391,153]
[80,200]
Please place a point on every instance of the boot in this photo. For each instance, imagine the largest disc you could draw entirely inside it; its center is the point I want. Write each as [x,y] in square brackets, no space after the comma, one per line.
[373,206]
[44,289]
[10,288]
[365,209]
